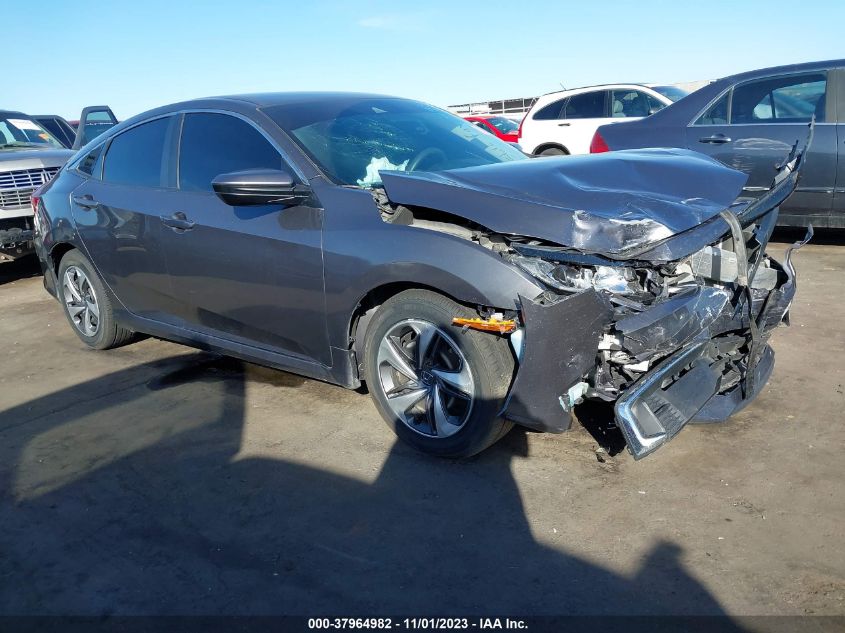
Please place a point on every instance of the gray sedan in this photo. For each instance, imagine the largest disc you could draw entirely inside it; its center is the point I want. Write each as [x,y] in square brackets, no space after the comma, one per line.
[367,239]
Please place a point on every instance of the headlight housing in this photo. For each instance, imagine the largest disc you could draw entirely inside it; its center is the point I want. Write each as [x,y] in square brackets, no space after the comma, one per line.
[617,280]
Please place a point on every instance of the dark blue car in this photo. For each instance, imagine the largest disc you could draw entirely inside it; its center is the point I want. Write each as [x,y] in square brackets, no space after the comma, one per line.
[750,122]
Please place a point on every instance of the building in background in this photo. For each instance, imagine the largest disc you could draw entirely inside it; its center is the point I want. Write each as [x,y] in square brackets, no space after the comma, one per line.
[511,108]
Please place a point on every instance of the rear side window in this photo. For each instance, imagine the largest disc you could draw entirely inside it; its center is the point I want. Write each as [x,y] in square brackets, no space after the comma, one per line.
[214,144]
[587,105]
[551,111]
[717,114]
[92,164]
[135,156]
[788,99]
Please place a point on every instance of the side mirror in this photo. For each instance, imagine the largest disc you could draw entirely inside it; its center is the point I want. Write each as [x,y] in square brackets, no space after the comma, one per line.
[255,187]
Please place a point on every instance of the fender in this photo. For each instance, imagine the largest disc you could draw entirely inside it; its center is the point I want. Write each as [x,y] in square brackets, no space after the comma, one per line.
[363,253]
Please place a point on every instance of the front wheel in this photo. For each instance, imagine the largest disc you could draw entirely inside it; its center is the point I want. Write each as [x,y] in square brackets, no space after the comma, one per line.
[440,388]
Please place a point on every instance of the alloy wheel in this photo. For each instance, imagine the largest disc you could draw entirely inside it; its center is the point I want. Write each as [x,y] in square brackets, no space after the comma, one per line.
[81,301]
[425,378]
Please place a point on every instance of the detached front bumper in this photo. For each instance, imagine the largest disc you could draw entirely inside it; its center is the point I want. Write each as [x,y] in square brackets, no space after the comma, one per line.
[710,378]
[652,412]
[713,351]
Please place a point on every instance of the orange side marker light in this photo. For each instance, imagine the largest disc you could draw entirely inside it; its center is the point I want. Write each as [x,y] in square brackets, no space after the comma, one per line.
[487,325]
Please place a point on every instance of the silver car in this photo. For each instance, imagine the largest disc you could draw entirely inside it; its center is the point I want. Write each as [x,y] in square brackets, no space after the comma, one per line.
[29,157]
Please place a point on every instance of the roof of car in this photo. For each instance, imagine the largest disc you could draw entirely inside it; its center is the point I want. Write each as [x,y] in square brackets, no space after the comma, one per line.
[750,74]
[601,86]
[267,99]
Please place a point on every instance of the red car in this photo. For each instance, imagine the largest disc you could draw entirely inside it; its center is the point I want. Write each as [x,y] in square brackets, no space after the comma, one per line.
[504,128]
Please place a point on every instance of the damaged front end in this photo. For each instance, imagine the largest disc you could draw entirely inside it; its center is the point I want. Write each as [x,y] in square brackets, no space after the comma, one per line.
[660,298]
[671,342]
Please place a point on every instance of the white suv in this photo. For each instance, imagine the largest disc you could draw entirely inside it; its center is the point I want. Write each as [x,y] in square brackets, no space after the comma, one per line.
[564,122]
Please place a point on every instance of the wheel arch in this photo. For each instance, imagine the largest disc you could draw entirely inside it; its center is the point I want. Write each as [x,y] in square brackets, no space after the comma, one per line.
[370,301]
[59,250]
[543,147]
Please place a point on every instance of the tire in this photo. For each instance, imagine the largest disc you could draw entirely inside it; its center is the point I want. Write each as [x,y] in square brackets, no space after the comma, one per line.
[480,363]
[552,151]
[79,285]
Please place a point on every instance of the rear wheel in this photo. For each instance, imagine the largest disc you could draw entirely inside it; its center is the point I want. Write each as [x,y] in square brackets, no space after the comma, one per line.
[552,151]
[438,387]
[87,304]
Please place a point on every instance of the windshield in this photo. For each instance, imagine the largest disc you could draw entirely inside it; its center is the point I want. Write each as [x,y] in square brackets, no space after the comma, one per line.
[353,140]
[673,93]
[505,126]
[20,131]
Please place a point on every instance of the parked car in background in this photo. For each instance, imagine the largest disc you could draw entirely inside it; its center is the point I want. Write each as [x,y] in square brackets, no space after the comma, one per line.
[356,238]
[29,157]
[94,121]
[63,130]
[503,127]
[32,149]
[673,93]
[750,121]
[564,122]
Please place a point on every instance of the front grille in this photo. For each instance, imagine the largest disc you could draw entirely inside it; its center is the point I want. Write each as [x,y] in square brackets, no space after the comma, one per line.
[17,186]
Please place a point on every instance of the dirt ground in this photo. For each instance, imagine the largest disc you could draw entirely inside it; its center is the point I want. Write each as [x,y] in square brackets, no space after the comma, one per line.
[156,479]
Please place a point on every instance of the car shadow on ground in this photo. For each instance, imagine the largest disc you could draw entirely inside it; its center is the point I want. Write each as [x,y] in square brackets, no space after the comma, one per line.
[130,494]
[22,268]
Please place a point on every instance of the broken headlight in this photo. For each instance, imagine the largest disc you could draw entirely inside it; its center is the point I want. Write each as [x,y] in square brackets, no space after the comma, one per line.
[613,279]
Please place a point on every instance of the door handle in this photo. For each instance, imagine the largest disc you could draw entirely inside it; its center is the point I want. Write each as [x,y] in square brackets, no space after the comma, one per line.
[563,124]
[716,139]
[86,202]
[178,222]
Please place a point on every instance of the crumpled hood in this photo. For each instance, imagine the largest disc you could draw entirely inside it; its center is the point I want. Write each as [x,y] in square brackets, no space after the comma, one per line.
[608,203]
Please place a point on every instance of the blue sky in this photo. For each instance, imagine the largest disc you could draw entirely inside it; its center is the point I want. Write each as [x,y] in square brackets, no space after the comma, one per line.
[135,55]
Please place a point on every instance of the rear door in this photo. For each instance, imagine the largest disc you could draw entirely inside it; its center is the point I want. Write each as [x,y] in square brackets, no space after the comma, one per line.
[252,275]
[582,115]
[117,210]
[754,125]
[545,126]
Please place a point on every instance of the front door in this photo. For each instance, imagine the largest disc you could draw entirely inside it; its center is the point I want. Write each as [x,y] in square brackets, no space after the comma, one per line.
[252,275]
[754,126]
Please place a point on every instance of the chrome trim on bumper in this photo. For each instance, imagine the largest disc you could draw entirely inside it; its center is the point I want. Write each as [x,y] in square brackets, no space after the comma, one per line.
[644,431]
[649,415]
